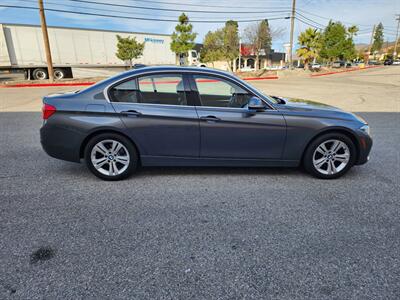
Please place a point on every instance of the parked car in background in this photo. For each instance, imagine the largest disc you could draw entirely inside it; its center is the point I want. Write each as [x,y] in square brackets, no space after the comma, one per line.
[182,116]
[388,62]
[396,62]
[374,62]
[338,64]
[315,67]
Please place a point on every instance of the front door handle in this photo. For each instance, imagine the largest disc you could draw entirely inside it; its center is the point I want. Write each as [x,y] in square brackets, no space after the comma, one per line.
[210,118]
[131,113]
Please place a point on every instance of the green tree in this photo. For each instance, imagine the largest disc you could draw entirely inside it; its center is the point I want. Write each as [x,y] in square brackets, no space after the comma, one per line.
[128,49]
[260,38]
[378,38]
[337,43]
[183,37]
[230,42]
[213,45]
[310,45]
[352,30]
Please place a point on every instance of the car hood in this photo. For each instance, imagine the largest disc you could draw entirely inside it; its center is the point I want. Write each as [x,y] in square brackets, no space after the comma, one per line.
[313,108]
[302,104]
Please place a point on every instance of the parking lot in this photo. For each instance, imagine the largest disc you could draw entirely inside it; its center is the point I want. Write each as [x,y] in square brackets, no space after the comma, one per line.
[204,233]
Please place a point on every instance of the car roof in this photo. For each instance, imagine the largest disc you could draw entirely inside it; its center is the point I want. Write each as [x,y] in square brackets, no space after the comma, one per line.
[174,69]
[151,69]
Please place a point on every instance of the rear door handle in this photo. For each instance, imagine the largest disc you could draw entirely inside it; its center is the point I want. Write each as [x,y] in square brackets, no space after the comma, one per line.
[210,118]
[131,113]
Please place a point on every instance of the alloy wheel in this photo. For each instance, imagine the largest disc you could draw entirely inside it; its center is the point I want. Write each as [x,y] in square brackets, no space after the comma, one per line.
[110,157]
[331,157]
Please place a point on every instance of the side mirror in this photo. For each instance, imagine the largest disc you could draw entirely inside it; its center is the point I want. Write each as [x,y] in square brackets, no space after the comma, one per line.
[256,104]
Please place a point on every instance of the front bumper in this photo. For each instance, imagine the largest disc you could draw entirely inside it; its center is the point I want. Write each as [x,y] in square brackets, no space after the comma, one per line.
[365,145]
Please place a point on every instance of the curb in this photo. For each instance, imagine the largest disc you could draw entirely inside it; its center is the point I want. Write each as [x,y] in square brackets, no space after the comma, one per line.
[260,78]
[23,85]
[345,71]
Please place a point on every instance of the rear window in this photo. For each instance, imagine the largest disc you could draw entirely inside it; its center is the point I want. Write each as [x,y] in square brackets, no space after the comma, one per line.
[165,89]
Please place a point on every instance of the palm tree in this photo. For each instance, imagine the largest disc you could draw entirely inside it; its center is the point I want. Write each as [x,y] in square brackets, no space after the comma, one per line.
[310,44]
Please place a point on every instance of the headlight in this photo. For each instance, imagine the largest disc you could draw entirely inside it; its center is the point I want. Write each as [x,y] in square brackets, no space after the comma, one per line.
[365,128]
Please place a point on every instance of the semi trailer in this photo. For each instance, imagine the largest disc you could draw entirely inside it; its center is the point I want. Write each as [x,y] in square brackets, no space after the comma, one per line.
[22,50]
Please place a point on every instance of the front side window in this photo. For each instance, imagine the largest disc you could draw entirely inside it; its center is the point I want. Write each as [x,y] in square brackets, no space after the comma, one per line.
[165,89]
[217,92]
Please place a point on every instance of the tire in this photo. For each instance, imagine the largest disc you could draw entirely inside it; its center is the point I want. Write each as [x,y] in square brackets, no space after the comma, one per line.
[329,164]
[111,165]
[40,74]
[59,73]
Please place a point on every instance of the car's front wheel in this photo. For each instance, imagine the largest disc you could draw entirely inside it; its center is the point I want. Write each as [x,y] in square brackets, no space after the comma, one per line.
[111,156]
[330,156]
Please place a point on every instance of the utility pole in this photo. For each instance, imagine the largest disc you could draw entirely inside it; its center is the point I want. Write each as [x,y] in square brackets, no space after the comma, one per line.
[291,34]
[46,41]
[370,43]
[397,37]
[240,55]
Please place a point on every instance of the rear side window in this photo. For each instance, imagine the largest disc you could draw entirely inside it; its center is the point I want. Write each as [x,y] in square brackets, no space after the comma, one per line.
[125,92]
[165,89]
[162,89]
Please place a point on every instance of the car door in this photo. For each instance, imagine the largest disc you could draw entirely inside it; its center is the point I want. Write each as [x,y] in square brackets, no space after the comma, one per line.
[157,114]
[228,129]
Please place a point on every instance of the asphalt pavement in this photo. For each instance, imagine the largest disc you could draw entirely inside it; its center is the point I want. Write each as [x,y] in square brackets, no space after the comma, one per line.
[197,233]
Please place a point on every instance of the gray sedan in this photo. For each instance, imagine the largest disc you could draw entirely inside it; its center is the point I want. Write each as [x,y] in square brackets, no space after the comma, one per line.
[176,116]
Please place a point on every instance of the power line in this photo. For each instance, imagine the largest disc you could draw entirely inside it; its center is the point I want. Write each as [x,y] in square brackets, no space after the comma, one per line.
[136,18]
[310,20]
[344,22]
[309,24]
[178,10]
[198,5]
[125,12]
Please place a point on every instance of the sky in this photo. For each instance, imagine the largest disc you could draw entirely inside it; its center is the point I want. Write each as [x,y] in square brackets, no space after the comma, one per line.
[363,13]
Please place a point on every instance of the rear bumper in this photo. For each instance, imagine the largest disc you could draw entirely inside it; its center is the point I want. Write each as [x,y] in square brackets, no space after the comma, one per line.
[365,145]
[60,143]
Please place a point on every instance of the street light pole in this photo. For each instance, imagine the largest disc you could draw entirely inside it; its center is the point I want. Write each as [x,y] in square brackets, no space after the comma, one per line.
[397,37]
[370,43]
[46,41]
[291,34]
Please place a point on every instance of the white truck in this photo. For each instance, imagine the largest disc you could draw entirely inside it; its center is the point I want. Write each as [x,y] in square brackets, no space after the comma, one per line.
[22,50]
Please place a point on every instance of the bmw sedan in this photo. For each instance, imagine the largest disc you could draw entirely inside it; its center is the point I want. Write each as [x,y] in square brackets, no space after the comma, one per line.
[178,116]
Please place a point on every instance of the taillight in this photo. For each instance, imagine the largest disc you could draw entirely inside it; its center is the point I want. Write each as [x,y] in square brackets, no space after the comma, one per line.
[48,110]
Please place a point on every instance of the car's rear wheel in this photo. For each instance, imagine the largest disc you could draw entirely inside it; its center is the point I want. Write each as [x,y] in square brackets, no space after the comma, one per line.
[111,156]
[330,156]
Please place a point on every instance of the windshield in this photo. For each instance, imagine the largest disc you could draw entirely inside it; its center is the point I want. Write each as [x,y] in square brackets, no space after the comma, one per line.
[272,99]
